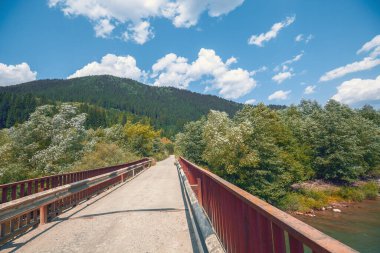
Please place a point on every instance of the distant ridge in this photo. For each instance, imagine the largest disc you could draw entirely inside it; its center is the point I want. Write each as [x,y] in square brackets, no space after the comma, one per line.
[167,107]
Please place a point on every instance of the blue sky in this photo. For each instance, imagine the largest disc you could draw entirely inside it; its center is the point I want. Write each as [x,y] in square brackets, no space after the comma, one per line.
[246,51]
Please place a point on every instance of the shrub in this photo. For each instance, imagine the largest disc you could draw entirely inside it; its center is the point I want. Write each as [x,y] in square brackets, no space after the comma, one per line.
[103,155]
[291,202]
[370,190]
[352,193]
[318,195]
[299,202]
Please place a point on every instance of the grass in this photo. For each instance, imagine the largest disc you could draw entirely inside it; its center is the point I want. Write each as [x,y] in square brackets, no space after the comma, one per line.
[306,200]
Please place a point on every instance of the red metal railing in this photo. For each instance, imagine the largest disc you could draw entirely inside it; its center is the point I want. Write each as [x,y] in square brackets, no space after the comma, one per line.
[23,188]
[245,223]
[67,190]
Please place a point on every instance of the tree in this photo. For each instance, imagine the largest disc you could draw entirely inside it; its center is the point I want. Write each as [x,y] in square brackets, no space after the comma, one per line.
[255,150]
[102,155]
[140,137]
[368,112]
[344,144]
[51,140]
[10,168]
[276,152]
[190,143]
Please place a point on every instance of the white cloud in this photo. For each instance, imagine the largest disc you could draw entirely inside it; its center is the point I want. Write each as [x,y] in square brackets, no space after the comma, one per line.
[301,37]
[282,76]
[310,89]
[120,66]
[365,64]
[103,28]
[259,40]
[287,72]
[372,45]
[309,38]
[279,95]
[358,90]
[250,101]
[294,59]
[172,70]
[15,74]
[259,70]
[139,33]
[135,14]
[231,61]
[375,52]
[233,83]
[185,13]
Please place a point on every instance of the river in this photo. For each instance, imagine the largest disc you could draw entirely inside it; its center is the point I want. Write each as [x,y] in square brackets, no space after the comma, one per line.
[357,225]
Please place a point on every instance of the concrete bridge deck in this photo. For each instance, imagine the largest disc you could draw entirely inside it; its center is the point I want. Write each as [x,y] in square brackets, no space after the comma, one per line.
[146,214]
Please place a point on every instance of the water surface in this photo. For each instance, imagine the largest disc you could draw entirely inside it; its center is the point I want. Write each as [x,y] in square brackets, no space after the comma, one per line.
[357,226]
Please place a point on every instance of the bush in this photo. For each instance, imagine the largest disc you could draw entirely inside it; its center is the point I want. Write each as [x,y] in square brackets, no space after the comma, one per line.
[351,193]
[160,156]
[103,155]
[303,203]
[305,200]
[292,202]
[318,195]
[370,190]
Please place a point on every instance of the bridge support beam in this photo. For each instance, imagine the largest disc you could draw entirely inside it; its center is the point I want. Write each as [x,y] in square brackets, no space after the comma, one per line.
[199,190]
[43,215]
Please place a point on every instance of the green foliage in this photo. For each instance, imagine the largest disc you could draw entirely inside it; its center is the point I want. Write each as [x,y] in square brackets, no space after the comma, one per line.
[370,190]
[16,108]
[305,200]
[168,145]
[353,194]
[191,141]
[54,140]
[265,151]
[368,112]
[51,139]
[167,108]
[344,146]
[142,138]
[301,202]
[254,150]
[104,154]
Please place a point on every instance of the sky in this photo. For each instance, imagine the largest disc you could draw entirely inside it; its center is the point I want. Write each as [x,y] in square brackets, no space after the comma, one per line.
[249,51]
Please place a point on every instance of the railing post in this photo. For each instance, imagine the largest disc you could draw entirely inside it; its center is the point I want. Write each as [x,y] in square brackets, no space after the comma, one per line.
[199,191]
[123,177]
[43,214]
[133,172]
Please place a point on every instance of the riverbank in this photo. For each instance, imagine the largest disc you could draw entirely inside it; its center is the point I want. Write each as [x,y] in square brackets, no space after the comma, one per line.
[358,225]
[308,197]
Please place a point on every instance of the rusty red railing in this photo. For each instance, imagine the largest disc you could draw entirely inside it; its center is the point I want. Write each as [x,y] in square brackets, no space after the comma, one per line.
[35,201]
[245,223]
[23,188]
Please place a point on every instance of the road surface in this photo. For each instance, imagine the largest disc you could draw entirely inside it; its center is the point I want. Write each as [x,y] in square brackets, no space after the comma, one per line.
[147,214]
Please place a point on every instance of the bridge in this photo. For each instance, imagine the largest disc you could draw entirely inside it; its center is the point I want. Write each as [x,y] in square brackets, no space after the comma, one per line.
[171,206]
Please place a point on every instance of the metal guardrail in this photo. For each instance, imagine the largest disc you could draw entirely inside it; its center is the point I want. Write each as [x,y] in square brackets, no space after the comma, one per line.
[24,188]
[17,216]
[207,235]
[245,223]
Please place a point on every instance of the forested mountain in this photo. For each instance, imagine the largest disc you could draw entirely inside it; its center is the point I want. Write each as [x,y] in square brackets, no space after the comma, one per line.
[116,98]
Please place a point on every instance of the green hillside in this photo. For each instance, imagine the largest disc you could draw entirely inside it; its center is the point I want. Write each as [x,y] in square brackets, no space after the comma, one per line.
[166,107]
